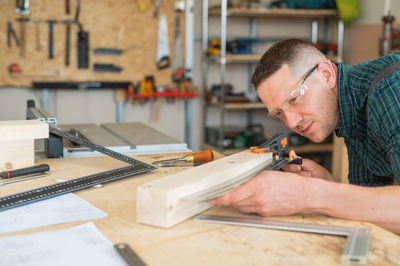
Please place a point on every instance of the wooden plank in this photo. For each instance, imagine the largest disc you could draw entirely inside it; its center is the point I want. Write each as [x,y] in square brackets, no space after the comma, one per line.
[239,106]
[175,198]
[277,12]
[23,129]
[340,163]
[16,154]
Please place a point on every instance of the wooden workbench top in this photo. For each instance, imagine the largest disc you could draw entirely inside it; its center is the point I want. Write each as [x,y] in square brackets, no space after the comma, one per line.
[196,243]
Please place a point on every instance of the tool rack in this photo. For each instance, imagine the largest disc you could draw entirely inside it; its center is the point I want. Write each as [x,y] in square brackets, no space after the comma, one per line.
[223,59]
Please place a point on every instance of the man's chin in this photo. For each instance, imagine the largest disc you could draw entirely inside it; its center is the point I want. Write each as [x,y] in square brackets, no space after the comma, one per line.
[316,139]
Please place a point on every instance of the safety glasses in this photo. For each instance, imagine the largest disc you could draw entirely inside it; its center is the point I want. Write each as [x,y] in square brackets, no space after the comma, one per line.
[295,98]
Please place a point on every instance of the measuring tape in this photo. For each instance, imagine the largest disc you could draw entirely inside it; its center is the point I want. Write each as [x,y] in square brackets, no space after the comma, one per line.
[357,244]
[135,167]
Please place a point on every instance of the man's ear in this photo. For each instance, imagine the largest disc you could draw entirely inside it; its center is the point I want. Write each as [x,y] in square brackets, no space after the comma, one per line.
[329,73]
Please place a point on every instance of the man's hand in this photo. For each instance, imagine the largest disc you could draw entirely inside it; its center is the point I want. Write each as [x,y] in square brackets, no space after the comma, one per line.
[308,168]
[269,193]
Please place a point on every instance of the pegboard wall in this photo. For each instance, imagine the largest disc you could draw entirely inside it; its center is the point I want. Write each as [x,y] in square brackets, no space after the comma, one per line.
[110,23]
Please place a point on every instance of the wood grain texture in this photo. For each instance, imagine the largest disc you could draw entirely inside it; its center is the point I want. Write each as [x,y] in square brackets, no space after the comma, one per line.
[16,154]
[111,24]
[17,142]
[194,243]
[175,198]
[23,129]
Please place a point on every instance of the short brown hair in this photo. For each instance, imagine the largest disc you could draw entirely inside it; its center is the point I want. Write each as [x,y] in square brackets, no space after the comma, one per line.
[282,52]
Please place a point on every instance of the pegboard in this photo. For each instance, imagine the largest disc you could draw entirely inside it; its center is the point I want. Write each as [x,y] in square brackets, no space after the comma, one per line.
[110,23]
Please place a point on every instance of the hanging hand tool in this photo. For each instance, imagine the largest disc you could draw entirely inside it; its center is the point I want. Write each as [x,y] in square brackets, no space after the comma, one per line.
[37,34]
[281,144]
[25,171]
[83,41]
[101,67]
[11,34]
[51,37]
[113,51]
[188,160]
[23,21]
[68,24]
[157,8]
[67,7]
[177,62]
[22,7]
[144,4]
[107,51]
[179,6]
[162,57]
[14,68]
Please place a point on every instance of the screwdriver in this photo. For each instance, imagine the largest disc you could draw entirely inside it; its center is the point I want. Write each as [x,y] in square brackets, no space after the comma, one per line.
[191,159]
[25,171]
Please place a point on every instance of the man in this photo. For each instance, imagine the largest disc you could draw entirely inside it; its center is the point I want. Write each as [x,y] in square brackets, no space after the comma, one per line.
[314,98]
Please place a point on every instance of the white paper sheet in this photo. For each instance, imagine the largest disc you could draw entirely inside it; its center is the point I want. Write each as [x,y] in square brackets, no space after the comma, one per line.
[62,209]
[81,245]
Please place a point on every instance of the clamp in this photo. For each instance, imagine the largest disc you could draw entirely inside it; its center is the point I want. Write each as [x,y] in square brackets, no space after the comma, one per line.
[280,143]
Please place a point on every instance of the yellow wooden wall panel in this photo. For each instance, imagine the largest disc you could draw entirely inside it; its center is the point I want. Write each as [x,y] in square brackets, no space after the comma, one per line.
[111,23]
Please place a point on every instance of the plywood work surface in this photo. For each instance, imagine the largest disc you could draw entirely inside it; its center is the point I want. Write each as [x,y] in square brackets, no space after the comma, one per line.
[195,243]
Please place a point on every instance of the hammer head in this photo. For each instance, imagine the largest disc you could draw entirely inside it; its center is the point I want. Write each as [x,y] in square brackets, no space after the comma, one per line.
[23,19]
[69,21]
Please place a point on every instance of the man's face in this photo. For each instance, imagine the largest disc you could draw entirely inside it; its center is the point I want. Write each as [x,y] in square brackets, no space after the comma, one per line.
[307,105]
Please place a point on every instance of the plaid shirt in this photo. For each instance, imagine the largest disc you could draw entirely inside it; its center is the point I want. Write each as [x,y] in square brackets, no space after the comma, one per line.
[368,164]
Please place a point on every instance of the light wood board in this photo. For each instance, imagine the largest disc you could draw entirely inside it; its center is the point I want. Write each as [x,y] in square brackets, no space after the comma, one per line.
[23,129]
[17,142]
[175,198]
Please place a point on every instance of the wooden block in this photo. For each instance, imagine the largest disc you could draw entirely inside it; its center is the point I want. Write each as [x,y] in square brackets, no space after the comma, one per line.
[23,129]
[175,198]
[17,142]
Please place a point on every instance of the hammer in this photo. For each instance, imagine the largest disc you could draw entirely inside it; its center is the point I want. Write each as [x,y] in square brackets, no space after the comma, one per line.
[68,24]
[51,36]
[37,33]
[22,21]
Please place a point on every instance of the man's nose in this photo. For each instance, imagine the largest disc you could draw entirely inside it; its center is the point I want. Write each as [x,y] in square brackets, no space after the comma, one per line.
[292,118]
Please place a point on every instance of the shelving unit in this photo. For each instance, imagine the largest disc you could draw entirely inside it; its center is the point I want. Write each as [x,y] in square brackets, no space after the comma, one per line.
[223,58]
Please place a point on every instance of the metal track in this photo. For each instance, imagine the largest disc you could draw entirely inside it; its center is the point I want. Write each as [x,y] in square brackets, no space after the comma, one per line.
[95,147]
[135,167]
[357,244]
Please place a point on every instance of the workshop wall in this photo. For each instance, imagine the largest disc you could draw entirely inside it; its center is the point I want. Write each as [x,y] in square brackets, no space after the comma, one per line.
[118,24]
[112,24]
[363,33]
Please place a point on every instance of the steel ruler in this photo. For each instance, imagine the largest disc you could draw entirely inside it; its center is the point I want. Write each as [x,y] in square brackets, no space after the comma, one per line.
[129,255]
[357,244]
[135,167]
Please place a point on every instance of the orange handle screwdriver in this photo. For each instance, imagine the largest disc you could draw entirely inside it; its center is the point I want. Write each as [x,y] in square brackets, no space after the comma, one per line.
[198,157]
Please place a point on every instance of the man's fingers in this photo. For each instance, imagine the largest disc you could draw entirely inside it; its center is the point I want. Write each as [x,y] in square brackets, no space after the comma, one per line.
[291,168]
[238,194]
[248,209]
[223,200]
[293,154]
